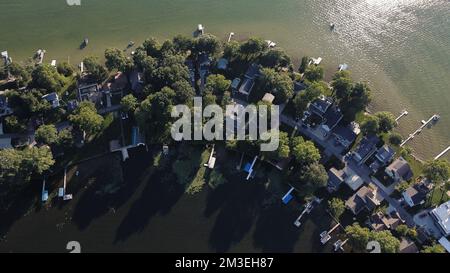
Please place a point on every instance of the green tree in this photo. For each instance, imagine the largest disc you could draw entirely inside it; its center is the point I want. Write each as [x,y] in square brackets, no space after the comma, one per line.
[65,138]
[386,121]
[438,172]
[46,134]
[64,68]
[184,92]
[405,231]
[370,125]
[217,84]
[47,77]
[10,163]
[208,44]
[154,115]
[303,64]
[435,248]
[13,125]
[86,118]
[20,73]
[252,49]
[304,152]
[395,139]
[283,150]
[358,237]
[314,73]
[336,207]
[183,44]
[342,85]
[280,84]
[231,50]
[313,177]
[36,160]
[275,58]
[388,243]
[302,100]
[95,69]
[116,59]
[152,47]
[129,103]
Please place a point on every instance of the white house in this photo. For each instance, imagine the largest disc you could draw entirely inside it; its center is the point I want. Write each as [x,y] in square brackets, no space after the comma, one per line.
[441,216]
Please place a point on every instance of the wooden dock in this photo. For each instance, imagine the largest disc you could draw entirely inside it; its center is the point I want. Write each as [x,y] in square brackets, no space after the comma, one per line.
[418,131]
[403,114]
[442,154]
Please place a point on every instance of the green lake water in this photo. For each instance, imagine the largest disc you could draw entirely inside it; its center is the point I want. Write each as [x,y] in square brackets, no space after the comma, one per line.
[402,47]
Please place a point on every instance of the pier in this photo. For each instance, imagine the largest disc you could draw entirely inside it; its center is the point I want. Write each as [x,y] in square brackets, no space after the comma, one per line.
[418,131]
[442,154]
[403,114]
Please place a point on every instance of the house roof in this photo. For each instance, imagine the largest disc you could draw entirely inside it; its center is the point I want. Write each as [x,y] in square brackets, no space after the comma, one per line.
[252,71]
[320,105]
[335,178]
[268,97]
[385,154]
[332,116]
[346,133]
[222,63]
[367,146]
[366,197]
[408,246]
[402,168]
[381,221]
[298,86]
[442,216]
[416,193]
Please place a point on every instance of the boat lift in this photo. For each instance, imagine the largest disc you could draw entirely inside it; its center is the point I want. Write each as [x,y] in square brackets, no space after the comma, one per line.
[325,236]
[288,197]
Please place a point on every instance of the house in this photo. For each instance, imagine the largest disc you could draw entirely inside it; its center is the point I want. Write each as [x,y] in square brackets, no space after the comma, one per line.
[249,80]
[137,81]
[331,119]
[4,108]
[416,195]
[441,216]
[90,92]
[381,221]
[400,170]
[53,99]
[335,179]
[299,86]
[383,157]
[269,98]
[235,84]
[407,246]
[320,106]
[72,105]
[352,180]
[366,149]
[367,198]
[222,64]
[346,135]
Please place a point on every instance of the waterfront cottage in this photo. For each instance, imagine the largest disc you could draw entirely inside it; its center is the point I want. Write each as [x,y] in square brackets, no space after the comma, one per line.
[441,216]
[400,170]
[222,64]
[53,99]
[366,149]
[416,195]
[249,80]
[367,198]
[408,246]
[380,221]
[383,157]
[335,179]
[346,135]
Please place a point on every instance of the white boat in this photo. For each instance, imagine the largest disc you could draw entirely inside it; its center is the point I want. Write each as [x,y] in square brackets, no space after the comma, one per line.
[200,29]
[315,61]
[53,63]
[271,44]
[343,67]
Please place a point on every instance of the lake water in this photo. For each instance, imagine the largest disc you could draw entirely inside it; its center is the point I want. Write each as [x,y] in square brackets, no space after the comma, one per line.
[402,47]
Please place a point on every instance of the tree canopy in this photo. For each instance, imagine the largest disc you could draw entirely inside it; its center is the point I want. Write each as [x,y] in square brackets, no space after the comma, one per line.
[46,134]
[86,118]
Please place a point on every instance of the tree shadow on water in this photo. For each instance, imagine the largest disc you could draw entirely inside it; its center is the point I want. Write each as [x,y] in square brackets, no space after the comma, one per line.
[238,204]
[275,231]
[96,200]
[160,194]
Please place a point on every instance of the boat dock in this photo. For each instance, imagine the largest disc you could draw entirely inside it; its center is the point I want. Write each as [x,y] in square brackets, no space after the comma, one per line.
[434,118]
[442,154]
[309,207]
[403,114]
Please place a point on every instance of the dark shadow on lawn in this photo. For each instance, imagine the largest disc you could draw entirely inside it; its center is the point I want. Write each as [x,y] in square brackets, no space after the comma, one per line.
[238,203]
[92,205]
[160,194]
